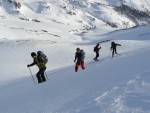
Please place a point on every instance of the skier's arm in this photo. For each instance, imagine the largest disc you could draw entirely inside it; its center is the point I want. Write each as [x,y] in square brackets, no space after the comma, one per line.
[29,65]
[118,44]
[32,64]
[75,57]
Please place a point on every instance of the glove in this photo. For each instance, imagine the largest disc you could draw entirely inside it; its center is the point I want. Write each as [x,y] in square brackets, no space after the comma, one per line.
[28,65]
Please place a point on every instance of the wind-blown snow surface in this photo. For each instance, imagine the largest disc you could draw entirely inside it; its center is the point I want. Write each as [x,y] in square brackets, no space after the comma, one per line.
[118,85]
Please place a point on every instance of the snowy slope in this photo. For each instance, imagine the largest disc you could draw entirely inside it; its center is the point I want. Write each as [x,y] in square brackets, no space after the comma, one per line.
[58,27]
[118,85]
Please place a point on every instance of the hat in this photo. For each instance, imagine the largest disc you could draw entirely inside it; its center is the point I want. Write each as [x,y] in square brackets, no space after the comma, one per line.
[33,54]
[78,49]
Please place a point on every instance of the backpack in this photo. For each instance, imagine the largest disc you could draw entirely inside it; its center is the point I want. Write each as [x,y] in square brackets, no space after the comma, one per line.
[95,49]
[113,44]
[83,54]
[42,57]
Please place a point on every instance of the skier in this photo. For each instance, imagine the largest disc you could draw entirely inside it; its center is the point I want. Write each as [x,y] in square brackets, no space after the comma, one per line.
[41,65]
[113,48]
[96,50]
[79,56]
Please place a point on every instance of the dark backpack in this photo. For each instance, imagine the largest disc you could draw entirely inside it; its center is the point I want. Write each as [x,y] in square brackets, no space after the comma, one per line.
[113,44]
[42,57]
[95,49]
[83,54]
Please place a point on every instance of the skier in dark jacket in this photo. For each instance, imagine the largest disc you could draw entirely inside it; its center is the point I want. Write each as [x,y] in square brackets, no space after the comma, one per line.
[96,50]
[113,48]
[42,67]
[79,56]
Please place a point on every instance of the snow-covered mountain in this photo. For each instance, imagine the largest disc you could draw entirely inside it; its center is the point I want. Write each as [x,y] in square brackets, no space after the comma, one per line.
[78,17]
[58,27]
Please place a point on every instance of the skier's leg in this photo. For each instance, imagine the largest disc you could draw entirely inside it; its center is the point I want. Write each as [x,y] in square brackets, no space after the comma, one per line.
[116,51]
[113,52]
[42,74]
[83,65]
[97,55]
[38,75]
[77,66]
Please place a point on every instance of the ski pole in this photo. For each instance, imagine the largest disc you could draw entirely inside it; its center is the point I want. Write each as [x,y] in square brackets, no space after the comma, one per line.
[46,76]
[32,75]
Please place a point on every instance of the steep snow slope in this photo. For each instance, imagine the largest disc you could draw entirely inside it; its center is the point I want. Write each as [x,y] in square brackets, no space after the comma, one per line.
[118,85]
[110,85]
